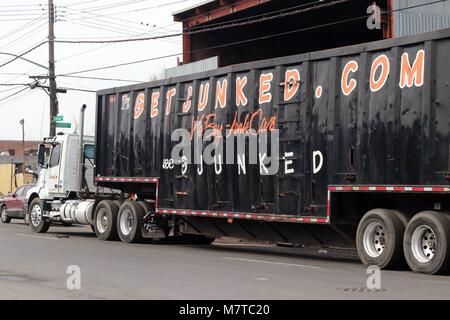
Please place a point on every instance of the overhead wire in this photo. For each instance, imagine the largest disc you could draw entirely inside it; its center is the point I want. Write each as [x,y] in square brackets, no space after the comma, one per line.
[329,24]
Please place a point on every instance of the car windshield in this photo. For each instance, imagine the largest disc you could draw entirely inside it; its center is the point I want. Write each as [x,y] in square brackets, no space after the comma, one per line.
[19,192]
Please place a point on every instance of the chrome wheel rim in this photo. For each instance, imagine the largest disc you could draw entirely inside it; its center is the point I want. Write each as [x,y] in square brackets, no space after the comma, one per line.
[423,243]
[102,220]
[374,239]
[126,222]
[36,215]
[4,215]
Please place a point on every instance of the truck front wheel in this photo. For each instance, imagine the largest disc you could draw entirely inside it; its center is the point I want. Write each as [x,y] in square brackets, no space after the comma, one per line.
[131,215]
[427,243]
[37,221]
[105,225]
[379,239]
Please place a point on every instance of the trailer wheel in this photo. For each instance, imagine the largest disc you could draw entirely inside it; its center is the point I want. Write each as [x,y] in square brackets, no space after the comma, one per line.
[4,215]
[106,220]
[379,239]
[37,221]
[129,222]
[427,243]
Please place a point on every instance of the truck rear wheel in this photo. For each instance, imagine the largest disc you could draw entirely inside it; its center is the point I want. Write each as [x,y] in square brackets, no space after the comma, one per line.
[129,222]
[427,243]
[379,239]
[105,225]
[37,221]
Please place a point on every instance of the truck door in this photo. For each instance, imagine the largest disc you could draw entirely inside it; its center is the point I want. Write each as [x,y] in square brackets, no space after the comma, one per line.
[53,181]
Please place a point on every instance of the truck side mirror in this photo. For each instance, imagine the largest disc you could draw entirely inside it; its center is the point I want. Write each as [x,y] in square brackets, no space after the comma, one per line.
[41,156]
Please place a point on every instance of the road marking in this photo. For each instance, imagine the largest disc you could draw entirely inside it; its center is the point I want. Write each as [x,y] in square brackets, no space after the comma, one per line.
[273,262]
[39,237]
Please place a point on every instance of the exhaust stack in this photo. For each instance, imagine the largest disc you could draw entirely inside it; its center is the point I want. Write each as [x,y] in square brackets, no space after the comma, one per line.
[80,169]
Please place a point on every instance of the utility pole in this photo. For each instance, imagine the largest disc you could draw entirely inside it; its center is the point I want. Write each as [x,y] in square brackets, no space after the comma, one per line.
[51,68]
[24,161]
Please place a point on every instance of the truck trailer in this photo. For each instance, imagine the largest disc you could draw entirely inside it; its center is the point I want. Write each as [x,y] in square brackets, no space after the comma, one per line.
[346,148]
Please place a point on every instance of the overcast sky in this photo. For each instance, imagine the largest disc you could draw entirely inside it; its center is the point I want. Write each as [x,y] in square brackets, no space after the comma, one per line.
[23,24]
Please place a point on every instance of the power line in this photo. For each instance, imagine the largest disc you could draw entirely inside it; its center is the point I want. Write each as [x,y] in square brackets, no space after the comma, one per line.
[113,5]
[11,89]
[18,96]
[129,26]
[83,2]
[140,9]
[12,84]
[27,25]
[239,42]
[232,25]
[14,94]
[99,78]
[21,5]
[235,24]
[22,54]
[115,19]
[23,37]
[78,89]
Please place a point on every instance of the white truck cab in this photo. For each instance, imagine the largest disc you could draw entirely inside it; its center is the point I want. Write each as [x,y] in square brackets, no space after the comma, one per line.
[56,196]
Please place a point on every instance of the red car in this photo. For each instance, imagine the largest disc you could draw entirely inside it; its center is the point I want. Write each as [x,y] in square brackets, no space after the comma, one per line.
[15,206]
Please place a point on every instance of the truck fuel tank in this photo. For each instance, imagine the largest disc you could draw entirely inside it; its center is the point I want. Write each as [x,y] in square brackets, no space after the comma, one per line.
[77,211]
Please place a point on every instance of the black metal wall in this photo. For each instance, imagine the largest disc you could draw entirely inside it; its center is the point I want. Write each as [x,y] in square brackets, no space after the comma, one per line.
[394,136]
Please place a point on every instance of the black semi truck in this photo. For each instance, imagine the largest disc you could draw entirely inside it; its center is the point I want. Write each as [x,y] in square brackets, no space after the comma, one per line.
[355,154]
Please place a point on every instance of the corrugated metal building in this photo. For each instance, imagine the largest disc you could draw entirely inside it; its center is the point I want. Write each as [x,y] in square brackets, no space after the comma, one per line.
[417,16]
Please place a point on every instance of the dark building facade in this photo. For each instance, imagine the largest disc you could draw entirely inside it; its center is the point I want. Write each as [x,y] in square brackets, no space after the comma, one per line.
[264,29]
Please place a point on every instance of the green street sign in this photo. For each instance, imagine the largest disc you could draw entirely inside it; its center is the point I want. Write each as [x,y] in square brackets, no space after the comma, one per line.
[63,125]
[58,118]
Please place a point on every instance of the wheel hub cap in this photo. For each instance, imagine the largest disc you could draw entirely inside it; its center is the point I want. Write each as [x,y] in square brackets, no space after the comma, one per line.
[126,222]
[36,215]
[423,244]
[374,239]
[102,221]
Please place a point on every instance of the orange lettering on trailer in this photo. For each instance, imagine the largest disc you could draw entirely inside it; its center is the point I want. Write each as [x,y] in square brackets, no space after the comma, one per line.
[414,74]
[264,88]
[169,95]
[221,93]
[382,61]
[154,105]
[203,96]
[139,105]
[188,103]
[291,84]
[241,99]
[346,85]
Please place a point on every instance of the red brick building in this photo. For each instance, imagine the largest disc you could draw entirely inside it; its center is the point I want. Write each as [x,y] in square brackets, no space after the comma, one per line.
[14,147]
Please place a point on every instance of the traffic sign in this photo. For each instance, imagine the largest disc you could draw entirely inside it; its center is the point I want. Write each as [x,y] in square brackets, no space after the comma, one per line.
[63,125]
[58,118]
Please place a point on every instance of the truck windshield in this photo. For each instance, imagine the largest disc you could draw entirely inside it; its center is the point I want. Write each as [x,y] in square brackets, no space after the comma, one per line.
[89,151]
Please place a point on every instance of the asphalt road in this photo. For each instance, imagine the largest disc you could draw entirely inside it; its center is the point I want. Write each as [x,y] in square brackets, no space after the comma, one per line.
[34,267]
